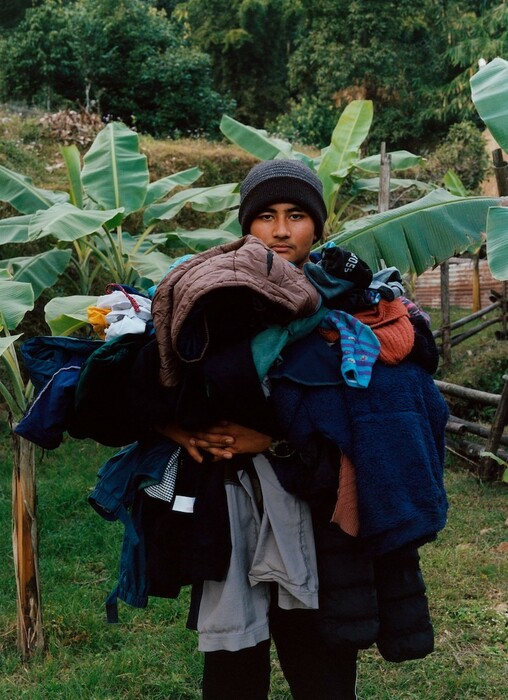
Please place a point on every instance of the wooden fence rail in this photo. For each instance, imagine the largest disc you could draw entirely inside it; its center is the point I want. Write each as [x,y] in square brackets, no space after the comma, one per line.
[472,317]
[485,466]
[448,341]
[493,435]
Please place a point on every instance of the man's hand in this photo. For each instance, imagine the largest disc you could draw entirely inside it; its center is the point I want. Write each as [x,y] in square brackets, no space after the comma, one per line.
[228,439]
[222,441]
[183,438]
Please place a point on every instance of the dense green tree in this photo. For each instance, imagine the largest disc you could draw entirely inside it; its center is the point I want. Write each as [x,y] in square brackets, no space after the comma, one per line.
[476,29]
[414,60]
[126,56]
[249,42]
[386,51]
[37,60]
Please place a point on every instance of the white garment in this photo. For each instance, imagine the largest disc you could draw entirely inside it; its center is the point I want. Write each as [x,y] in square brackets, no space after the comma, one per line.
[123,317]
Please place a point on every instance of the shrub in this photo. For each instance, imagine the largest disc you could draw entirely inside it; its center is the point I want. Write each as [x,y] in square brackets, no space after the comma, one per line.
[463,151]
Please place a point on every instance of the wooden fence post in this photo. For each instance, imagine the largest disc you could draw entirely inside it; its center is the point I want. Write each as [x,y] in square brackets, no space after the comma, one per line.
[477,294]
[504,312]
[501,172]
[384,180]
[445,313]
[489,468]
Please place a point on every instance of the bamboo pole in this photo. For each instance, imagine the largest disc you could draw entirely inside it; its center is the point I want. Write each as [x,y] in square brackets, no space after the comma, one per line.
[473,331]
[463,392]
[459,425]
[472,317]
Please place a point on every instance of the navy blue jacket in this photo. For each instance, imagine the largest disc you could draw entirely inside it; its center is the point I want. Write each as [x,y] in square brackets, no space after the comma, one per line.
[393,432]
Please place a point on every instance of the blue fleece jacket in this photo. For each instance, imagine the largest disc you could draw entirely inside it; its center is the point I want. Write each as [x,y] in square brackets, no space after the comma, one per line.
[393,431]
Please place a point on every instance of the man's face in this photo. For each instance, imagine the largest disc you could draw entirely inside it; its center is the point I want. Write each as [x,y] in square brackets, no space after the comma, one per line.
[287,230]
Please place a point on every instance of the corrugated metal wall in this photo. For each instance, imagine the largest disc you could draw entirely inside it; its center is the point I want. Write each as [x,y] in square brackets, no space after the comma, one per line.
[428,285]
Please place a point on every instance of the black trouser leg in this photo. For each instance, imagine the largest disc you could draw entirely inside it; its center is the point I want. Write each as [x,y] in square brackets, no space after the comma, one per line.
[313,669]
[237,675]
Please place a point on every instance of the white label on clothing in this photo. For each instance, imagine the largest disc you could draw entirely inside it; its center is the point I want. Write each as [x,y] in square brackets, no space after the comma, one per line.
[184,504]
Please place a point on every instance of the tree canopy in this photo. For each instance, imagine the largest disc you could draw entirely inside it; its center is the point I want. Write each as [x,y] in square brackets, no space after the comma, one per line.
[287,65]
[94,51]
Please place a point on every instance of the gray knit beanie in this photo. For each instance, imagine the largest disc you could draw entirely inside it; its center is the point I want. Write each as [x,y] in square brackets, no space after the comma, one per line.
[276,181]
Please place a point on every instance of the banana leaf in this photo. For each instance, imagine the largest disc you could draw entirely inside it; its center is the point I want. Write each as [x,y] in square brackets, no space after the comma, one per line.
[255,141]
[203,238]
[489,92]
[342,154]
[41,271]
[7,341]
[454,184]
[68,223]
[399,160]
[115,173]
[371,184]
[66,315]
[72,162]
[210,199]
[22,194]
[14,229]
[150,266]
[419,235]
[497,242]
[160,188]
[16,298]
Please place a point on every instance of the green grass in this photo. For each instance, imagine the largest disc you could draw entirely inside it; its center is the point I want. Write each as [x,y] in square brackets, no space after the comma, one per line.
[150,653]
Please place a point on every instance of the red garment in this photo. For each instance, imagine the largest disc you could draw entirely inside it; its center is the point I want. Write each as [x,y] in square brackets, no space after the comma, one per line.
[390,322]
[345,514]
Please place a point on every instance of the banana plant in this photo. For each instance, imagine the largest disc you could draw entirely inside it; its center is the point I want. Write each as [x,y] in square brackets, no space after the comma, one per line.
[489,90]
[91,220]
[16,299]
[413,237]
[339,166]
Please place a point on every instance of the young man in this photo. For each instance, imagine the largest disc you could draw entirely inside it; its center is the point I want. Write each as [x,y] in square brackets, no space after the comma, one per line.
[270,592]
[281,205]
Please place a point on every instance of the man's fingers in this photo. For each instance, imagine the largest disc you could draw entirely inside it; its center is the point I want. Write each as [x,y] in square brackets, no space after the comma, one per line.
[221,454]
[205,440]
[195,453]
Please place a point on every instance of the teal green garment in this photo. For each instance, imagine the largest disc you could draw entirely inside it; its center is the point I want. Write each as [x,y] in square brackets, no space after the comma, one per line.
[267,345]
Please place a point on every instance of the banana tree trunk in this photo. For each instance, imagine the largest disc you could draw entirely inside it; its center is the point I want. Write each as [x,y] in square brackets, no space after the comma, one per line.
[25,548]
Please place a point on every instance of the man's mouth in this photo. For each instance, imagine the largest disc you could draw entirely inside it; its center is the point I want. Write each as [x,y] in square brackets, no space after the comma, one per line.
[281,248]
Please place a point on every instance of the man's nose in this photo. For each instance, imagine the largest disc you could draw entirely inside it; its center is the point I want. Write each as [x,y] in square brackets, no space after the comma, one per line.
[280,227]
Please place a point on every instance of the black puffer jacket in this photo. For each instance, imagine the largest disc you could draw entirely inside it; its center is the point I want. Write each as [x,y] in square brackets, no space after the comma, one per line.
[364,598]
[363,601]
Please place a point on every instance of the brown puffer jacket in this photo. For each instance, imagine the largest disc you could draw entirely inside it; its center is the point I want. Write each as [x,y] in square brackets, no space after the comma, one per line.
[246,263]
